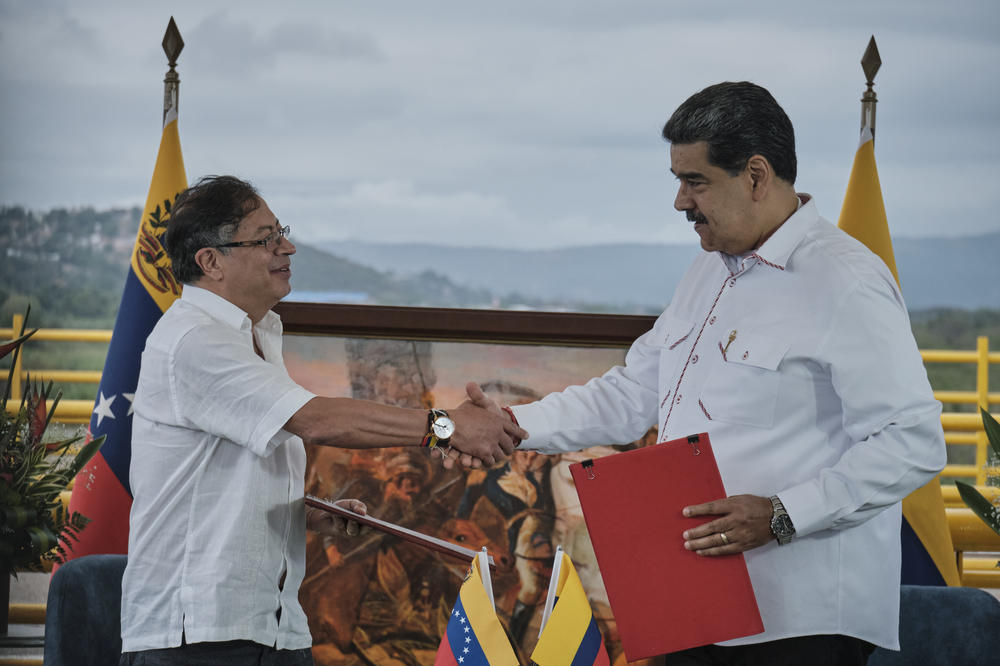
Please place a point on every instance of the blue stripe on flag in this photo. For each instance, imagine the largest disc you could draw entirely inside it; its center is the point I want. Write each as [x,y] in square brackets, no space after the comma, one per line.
[137,315]
[586,654]
[918,566]
[464,644]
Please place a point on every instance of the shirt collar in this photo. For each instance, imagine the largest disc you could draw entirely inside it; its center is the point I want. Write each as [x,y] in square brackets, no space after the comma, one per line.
[224,310]
[779,247]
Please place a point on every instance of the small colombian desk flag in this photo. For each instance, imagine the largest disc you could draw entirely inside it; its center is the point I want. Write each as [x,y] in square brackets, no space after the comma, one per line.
[569,633]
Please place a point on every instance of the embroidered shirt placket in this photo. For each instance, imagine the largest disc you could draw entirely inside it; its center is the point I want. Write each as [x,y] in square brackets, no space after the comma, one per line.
[730,282]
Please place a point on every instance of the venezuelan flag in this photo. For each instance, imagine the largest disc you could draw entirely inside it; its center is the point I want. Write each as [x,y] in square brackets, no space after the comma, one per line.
[474,635]
[101,490]
[570,636]
[928,553]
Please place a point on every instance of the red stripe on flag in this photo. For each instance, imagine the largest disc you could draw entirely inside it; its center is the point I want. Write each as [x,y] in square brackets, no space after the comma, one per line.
[445,656]
[108,508]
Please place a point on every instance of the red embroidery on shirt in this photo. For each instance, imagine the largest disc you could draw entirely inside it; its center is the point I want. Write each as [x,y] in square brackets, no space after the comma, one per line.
[702,405]
[680,341]
[766,262]
[694,346]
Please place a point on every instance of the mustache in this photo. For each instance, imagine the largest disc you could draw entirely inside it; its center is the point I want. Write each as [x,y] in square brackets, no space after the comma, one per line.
[695,217]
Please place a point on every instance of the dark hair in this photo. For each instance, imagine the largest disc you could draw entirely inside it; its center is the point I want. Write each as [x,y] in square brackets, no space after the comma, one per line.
[738,121]
[206,214]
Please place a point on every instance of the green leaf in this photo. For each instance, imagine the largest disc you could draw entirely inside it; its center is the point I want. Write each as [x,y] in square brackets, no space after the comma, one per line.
[992,429]
[981,506]
[9,345]
[86,453]
[42,539]
[17,516]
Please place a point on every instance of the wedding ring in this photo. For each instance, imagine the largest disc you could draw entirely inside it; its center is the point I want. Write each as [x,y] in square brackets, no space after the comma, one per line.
[725,539]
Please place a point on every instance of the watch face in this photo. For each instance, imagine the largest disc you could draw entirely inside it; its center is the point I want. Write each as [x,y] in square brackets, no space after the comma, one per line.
[443,427]
[782,525]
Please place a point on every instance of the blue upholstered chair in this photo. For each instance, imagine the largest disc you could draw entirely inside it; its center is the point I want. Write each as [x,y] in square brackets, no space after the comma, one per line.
[946,626]
[83,612]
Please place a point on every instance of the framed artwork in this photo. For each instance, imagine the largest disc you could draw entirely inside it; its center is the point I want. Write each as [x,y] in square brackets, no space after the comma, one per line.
[378,599]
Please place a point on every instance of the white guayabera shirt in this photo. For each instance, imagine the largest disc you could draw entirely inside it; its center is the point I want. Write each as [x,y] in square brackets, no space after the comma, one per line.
[800,364]
[218,517]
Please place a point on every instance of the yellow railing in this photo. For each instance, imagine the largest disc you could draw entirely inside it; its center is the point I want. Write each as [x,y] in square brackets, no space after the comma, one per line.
[68,411]
[962,429]
[966,429]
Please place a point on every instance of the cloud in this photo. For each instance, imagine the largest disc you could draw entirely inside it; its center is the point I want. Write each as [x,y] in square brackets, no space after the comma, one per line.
[524,123]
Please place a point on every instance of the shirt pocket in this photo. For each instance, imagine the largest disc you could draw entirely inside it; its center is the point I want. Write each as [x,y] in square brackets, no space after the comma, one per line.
[743,386]
[673,337]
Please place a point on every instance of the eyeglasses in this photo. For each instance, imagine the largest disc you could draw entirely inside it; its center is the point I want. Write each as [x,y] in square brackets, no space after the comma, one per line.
[268,242]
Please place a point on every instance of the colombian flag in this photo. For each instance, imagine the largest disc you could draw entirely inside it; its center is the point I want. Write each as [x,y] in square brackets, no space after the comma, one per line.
[570,636]
[101,490]
[928,553]
[474,635]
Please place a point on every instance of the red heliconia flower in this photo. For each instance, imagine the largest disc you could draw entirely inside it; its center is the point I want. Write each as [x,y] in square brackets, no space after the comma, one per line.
[37,413]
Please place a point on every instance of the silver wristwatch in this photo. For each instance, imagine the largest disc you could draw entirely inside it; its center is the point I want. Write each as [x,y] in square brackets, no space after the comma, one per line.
[781,522]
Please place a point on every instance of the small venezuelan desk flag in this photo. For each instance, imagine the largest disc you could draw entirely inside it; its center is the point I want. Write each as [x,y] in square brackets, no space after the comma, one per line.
[569,633]
[474,635]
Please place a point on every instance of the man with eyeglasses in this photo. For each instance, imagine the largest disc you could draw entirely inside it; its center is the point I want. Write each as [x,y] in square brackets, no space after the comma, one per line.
[218,520]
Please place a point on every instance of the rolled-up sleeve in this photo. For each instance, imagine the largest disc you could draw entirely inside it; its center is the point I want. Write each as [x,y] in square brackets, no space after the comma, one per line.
[220,391]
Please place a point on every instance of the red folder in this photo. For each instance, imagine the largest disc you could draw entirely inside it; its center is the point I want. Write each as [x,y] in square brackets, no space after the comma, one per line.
[664,598]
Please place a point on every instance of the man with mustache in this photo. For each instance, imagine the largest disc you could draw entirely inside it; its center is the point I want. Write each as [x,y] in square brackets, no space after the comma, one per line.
[789,343]
[217,528]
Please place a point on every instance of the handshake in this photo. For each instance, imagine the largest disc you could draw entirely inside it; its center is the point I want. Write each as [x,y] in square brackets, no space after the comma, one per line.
[484,434]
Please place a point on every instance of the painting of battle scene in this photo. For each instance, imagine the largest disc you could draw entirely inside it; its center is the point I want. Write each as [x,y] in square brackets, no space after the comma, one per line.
[376,599]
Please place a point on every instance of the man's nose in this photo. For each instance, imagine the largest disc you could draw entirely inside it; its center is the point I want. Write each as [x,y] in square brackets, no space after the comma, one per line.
[683,201]
[286,246]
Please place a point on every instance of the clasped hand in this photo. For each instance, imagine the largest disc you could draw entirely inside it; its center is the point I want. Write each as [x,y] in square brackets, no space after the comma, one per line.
[484,435]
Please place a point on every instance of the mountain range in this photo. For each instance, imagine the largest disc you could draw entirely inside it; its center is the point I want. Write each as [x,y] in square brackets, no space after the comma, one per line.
[961,272]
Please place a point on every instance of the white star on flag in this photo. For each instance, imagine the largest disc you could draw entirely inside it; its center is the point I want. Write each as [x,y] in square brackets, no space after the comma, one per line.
[131,399]
[103,408]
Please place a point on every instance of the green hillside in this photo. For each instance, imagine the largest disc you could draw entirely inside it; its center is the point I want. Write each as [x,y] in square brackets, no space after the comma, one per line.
[70,265]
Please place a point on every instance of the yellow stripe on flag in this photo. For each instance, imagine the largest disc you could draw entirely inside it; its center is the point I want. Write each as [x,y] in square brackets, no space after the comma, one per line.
[149,260]
[483,618]
[566,627]
[863,217]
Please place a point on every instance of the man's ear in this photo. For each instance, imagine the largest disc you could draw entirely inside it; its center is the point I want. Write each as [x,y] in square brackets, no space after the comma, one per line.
[761,175]
[207,259]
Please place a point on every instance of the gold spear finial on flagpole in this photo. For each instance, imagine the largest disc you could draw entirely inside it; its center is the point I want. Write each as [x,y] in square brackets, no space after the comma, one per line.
[172,46]
[870,63]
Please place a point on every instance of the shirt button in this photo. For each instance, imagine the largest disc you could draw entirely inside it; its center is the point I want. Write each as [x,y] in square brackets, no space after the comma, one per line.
[712,320]
[746,355]
[694,359]
[732,283]
[678,400]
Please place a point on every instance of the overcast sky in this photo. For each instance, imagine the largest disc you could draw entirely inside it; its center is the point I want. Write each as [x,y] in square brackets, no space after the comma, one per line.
[505,124]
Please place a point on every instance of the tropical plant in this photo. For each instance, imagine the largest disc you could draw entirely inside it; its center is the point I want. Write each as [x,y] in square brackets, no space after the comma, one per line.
[34,525]
[982,507]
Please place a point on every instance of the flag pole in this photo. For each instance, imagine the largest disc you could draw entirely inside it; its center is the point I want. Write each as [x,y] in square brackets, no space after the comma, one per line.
[101,490]
[870,64]
[172,46]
